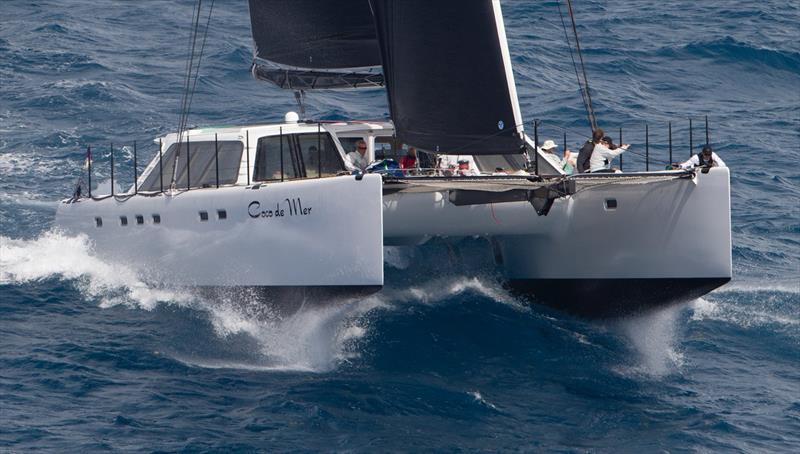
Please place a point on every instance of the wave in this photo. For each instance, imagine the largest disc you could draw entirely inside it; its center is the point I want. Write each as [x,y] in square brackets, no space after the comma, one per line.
[728,49]
[312,338]
[243,328]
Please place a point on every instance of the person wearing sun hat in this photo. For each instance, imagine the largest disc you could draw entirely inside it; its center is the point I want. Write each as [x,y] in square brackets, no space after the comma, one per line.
[548,150]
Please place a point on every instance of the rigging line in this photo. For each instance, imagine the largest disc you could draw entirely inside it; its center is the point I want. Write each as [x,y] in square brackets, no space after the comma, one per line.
[593,118]
[574,64]
[199,58]
[194,69]
[191,79]
[187,81]
[189,62]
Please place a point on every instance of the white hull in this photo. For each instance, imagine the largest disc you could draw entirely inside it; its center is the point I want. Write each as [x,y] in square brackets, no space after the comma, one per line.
[661,229]
[296,235]
[674,233]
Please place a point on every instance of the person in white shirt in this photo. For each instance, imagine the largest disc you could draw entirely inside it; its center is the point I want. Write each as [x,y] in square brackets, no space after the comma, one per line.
[603,153]
[357,159]
[706,158]
[548,149]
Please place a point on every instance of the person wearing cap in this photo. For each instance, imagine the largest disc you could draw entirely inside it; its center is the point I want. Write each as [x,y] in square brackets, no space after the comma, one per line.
[706,158]
[604,152]
[357,159]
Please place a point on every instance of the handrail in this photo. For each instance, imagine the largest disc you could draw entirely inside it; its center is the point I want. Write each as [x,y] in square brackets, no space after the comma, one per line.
[136,188]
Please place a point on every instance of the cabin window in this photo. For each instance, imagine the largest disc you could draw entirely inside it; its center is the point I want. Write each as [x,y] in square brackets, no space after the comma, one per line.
[204,216]
[611,204]
[222,214]
[98,221]
[202,171]
[156,219]
[293,156]
[271,157]
[388,148]
[139,219]
[326,159]
[349,143]
[123,220]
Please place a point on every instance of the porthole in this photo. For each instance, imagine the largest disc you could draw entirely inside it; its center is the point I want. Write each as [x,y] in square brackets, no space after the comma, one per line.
[611,204]
[156,219]
[139,219]
[222,214]
[98,221]
[123,220]
[204,216]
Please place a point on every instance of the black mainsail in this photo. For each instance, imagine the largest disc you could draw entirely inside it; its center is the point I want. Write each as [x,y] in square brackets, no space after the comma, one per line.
[306,44]
[448,75]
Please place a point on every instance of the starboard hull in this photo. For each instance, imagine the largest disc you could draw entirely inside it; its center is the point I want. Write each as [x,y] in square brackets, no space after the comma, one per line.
[599,298]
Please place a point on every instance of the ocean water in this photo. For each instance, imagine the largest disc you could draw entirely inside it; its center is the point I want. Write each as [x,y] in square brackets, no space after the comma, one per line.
[443,359]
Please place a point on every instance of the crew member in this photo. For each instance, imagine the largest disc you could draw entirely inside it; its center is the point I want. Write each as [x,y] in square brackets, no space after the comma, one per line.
[602,155]
[357,159]
[409,161]
[706,158]
[584,157]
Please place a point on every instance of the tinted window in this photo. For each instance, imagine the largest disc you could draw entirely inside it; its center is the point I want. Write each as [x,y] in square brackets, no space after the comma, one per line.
[326,159]
[269,155]
[349,143]
[202,169]
[388,147]
[304,156]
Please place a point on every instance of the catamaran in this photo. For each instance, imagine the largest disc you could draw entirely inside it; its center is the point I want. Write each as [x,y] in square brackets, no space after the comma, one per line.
[279,205]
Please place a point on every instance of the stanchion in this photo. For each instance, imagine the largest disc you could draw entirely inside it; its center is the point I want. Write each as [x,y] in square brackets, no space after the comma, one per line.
[216,158]
[135,170]
[670,142]
[646,147]
[247,145]
[89,159]
[188,164]
[160,165]
[112,168]
[536,147]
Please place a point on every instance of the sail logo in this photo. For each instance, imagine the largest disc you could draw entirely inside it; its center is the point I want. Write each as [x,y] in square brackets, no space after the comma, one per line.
[288,207]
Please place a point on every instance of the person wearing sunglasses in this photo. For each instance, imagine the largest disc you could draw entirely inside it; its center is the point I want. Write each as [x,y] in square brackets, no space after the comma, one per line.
[358,159]
[706,158]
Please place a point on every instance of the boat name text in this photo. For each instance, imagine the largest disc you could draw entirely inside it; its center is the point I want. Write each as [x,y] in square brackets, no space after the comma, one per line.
[284,208]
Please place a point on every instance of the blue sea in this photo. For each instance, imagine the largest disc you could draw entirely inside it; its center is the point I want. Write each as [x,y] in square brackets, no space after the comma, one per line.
[443,359]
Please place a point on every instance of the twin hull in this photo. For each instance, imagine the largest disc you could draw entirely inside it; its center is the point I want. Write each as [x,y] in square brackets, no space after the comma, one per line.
[608,248]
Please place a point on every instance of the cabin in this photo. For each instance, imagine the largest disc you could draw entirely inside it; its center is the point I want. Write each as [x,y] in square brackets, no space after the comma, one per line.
[293,150]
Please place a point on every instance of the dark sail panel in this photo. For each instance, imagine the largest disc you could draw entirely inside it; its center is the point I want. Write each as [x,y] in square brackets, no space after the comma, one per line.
[314,34]
[298,79]
[448,75]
